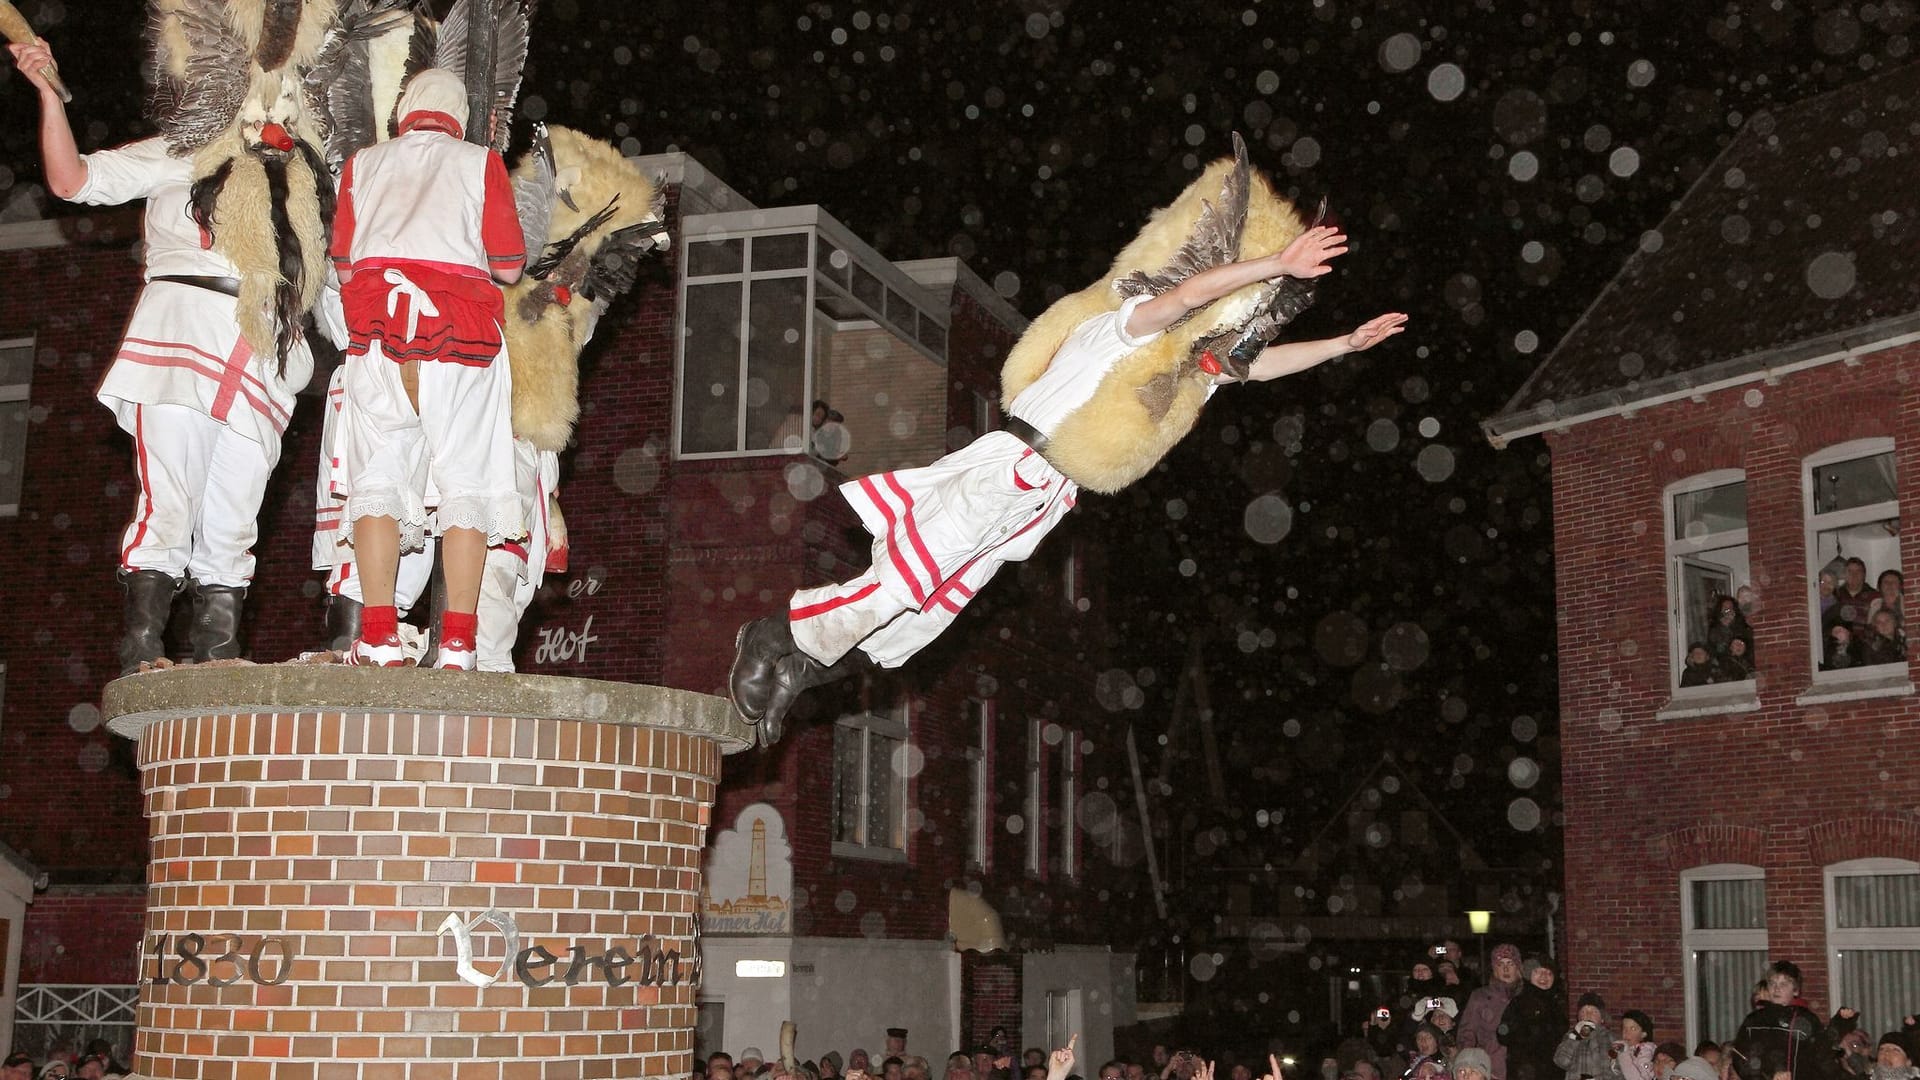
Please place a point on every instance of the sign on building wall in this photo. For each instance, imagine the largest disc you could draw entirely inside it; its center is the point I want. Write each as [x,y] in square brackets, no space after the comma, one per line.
[749,887]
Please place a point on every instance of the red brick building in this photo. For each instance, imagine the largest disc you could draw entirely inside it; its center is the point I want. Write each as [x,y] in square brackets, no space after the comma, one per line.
[1740,409]
[697,497]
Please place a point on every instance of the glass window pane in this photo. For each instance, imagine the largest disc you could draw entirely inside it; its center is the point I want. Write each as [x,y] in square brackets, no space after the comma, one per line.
[900,312]
[885,827]
[1712,510]
[846,784]
[13,450]
[1723,988]
[1874,900]
[782,251]
[1857,627]
[16,365]
[867,288]
[713,257]
[1730,905]
[777,364]
[710,370]
[1882,983]
[1845,485]
[831,262]
[933,335]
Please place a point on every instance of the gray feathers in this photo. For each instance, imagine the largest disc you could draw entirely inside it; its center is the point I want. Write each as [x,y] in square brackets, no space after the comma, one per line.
[340,88]
[196,108]
[511,19]
[533,195]
[1215,240]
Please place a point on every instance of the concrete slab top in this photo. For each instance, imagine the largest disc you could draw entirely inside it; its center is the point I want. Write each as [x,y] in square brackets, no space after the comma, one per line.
[132,702]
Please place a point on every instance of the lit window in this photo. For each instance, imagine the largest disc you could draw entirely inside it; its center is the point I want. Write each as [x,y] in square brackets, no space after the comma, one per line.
[1708,569]
[980,786]
[870,785]
[1853,552]
[1035,823]
[1723,913]
[1873,938]
[16,380]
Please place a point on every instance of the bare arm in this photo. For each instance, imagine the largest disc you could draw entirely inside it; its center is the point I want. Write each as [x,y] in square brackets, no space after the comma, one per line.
[1277,361]
[1306,257]
[66,172]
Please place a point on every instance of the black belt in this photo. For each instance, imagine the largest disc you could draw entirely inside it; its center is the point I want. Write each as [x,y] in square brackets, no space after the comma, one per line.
[1026,433]
[225,285]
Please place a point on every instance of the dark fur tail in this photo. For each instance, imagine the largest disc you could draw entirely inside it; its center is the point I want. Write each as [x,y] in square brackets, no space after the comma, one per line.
[205,193]
[286,291]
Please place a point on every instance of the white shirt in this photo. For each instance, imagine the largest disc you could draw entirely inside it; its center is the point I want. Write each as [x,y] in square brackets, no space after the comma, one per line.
[397,216]
[1070,380]
[144,170]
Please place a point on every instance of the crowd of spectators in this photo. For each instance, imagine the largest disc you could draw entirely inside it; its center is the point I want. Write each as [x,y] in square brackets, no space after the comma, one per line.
[96,1062]
[1517,1027]
[1860,626]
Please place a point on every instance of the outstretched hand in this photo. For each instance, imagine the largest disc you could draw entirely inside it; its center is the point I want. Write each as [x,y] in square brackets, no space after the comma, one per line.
[1273,1068]
[1307,256]
[1376,330]
[1202,1070]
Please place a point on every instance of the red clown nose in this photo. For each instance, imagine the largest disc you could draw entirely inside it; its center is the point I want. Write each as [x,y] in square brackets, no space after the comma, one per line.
[276,136]
[562,295]
[1209,363]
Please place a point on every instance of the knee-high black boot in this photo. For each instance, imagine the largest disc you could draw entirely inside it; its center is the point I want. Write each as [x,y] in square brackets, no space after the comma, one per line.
[343,622]
[149,605]
[216,621]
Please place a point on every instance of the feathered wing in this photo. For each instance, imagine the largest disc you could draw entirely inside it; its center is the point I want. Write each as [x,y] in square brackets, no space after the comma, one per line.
[201,74]
[347,90]
[1215,239]
[511,21]
[533,190]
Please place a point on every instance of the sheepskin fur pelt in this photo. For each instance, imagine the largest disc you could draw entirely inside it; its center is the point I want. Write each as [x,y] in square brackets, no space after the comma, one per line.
[1151,398]
[549,320]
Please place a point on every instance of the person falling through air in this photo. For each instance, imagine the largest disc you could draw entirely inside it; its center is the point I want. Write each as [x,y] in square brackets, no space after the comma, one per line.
[425,228]
[1096,391]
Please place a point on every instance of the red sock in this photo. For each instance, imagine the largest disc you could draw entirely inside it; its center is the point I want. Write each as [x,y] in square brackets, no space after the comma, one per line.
[379,623]
[458,627]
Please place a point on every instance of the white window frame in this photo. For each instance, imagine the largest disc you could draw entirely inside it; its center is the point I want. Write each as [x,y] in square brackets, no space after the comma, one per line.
[1036,802]
[980,787]
[746,276]
[1876,938]
[1692,940]
[893,724]
[1840,519]
[1067,801]
[18,392]
[1676,598]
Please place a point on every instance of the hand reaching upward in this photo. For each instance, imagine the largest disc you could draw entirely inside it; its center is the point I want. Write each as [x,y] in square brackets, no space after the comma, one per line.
[1060,1062]
[1307,256]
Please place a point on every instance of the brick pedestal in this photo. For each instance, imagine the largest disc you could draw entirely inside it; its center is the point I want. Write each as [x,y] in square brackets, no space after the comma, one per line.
[419,875]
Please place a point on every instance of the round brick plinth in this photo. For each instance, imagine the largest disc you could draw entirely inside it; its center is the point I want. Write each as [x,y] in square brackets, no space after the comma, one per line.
[419,875]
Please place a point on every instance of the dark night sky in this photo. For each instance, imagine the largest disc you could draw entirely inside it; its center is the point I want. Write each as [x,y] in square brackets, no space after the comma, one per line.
[1494,162]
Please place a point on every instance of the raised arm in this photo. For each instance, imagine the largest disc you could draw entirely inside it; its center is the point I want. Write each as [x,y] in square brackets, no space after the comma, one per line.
[1276,361]
[66,172]
[1306,257]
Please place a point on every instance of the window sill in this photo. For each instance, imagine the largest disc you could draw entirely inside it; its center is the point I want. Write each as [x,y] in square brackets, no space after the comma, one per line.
[1720,700]
[1884,680]
[844,850]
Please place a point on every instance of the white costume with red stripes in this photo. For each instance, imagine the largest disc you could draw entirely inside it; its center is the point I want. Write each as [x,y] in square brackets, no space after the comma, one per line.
[205,413]
[941,532]
[423,220]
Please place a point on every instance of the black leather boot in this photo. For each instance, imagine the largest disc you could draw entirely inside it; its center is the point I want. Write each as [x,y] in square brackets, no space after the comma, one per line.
[343,622]
[794,674]
[216,621]
[757,648]
[149,605]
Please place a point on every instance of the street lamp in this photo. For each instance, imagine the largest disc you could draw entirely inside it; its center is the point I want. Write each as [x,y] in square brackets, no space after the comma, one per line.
[1480,922]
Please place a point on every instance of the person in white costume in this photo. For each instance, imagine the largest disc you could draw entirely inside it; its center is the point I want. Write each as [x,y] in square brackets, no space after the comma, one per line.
[424,229]
[206,412]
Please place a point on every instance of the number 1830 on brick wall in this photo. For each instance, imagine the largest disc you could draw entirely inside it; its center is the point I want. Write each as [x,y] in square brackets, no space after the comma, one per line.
[219,960]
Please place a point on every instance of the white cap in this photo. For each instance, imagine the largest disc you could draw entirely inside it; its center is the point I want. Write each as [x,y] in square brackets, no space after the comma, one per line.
[435,90]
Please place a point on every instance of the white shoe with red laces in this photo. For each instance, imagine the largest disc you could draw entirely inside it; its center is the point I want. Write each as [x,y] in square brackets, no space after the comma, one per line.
[456,655]
[386,653]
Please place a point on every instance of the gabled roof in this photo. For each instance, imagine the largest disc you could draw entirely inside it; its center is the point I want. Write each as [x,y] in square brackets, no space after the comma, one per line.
[1799,244]
[1329,840]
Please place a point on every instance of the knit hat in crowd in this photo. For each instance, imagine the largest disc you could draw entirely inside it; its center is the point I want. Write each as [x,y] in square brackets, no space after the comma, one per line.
[1895,1038]
[1638,1017]
[1473,1058]
[435,90]
[1695,1068]
[1507,952]
[1594,999]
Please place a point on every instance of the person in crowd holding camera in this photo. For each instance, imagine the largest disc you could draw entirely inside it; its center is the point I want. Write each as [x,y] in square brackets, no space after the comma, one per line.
[1531,1027]
[1584,1052]
[1633,1050]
